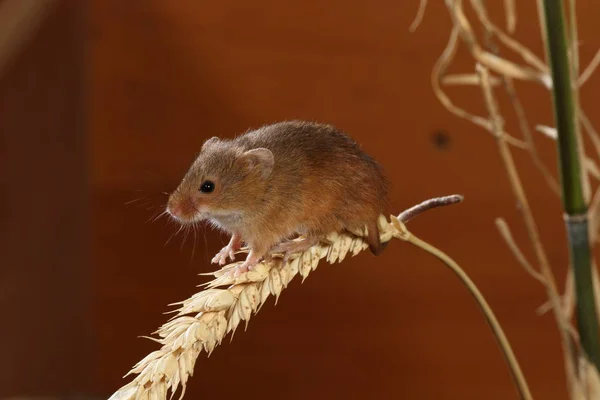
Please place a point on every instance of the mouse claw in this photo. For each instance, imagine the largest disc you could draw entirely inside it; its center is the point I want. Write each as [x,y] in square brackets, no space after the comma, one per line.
[221,257]
[239,270]
[248,265]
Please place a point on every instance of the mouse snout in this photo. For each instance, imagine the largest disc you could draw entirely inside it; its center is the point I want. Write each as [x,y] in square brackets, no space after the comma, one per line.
[182,208]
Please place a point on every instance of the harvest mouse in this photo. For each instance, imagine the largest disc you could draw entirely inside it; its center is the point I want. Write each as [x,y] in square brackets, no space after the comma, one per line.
[282,180]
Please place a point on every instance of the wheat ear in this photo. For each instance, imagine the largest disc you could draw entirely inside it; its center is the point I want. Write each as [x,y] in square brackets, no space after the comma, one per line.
[202,321]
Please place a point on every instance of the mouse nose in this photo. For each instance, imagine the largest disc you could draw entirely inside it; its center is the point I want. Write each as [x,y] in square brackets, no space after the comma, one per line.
[181,208]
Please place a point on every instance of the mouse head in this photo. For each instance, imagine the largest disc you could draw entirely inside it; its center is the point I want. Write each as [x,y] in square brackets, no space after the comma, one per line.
[223,180]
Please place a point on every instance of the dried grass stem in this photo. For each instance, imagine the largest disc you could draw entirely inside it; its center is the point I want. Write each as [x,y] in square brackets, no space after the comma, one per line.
[531,226]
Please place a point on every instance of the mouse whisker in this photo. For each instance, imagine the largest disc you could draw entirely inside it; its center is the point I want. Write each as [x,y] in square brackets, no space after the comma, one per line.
[195,230]
[135,200]
[154,216]
[174,234]
[157,215]
[206,256]
[186,232]
[169,239]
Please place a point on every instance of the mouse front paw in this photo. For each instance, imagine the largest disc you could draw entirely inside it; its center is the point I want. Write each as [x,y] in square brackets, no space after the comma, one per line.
[221,257]
[228,251]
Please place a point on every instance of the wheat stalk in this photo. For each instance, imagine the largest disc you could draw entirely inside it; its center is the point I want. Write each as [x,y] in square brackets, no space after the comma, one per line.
[515,370]
[202,321]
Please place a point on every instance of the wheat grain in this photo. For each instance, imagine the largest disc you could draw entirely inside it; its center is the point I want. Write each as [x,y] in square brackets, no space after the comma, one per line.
[202,321]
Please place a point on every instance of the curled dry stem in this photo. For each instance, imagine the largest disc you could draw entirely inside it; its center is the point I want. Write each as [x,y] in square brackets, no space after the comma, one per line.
[510,9]
[593,215]
[437,76]
[532,230]
[527,55]
[574,37]
[491,61]
[202,321]
[590,165]
[562,307]
[574,66]
[514,248]
[589,70]
[591,132]
[515,369]
[419,17]
[527,134]
[438,73]
[467,80]
[510,89]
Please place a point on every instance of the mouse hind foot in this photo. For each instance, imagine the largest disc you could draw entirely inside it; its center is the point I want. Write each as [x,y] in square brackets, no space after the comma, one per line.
[294,246]
[251,261]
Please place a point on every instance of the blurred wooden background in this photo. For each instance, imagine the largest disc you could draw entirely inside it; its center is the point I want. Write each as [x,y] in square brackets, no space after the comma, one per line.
[84,272]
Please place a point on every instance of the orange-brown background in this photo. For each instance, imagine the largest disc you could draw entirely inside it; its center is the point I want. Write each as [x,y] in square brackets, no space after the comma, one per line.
[84,274]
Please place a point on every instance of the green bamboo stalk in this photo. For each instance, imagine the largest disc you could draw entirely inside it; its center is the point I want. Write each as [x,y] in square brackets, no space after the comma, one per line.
[574,203]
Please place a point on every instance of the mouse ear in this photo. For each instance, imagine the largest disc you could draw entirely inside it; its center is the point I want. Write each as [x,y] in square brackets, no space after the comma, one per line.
[261,159]
[210,142]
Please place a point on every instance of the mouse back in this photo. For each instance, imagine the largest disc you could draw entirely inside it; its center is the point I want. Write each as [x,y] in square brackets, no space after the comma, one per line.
[324,173]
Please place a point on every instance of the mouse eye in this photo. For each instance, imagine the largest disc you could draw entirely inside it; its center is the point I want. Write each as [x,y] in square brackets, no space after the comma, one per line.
[207,187]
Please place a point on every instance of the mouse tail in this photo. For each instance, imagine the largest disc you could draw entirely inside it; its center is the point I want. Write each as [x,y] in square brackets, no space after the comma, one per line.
[373,241]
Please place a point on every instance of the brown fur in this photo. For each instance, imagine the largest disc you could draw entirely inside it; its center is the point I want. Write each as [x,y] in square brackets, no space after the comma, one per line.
[320,182]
